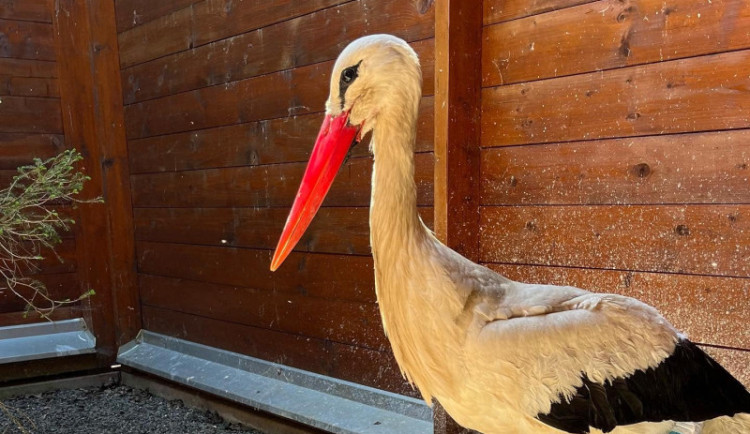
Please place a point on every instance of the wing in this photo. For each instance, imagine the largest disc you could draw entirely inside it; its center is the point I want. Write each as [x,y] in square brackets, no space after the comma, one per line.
[596,360]
[687,386]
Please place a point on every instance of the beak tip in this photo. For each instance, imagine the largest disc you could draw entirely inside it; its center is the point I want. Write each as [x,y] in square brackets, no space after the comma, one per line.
[275,264]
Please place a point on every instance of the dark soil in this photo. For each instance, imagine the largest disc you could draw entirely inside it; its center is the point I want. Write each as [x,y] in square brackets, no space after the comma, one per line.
[108,410]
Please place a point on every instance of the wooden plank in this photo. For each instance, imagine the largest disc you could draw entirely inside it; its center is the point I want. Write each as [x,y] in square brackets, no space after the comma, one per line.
[28,68]
[18,149]
[611,34]
[323,357]
[708,309]
[6,177]
[342,277]
[162,36]
[458,45]
[735,361]
[20,317]
[710,239]
[300,91]
[348,322]
[334,230]
[219,19]
[300,42]
[26,40]
[59,287]
[62,260]
[505,10]
[28,86]
[26,10]
[255,143]
[684,168]
[293,350]
[697,94]
[92,105]
[283,94]
[381,371]
[205,22]
[30,115]
[265,186]
[131,13]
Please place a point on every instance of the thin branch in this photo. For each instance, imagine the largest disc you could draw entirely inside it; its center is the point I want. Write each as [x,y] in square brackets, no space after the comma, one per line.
[28,226]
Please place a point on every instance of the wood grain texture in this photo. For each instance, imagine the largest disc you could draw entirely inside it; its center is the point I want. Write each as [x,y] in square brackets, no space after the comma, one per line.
[92,105]
[348,322]
[28,86]
[131,13]
[58,286]
[707,309]
[62,260]
[710,240]
[685,168]
[20,317]
[505,10]
[265,186]
[323,357]
[334,230]
[161,36]
[26,10]
[296,92]
[28,68]
[304,80]
[306,40]
[611,34]
[458,46]
[219,19]
[281,140]
[274,346]
[204,22]
[17,149]
[341,277]
[23,114]
[26,40]
[697,94]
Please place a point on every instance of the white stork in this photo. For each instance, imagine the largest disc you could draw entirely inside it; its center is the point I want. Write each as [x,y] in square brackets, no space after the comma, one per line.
[501,356]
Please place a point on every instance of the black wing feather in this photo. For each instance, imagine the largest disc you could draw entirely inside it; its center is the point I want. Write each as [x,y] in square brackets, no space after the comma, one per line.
[687,386]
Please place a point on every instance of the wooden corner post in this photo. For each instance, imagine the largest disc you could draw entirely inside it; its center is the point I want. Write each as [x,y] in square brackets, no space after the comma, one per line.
[93,121]
[458,44]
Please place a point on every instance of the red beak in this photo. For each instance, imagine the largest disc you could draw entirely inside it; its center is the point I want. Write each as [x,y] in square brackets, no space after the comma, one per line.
[333,143]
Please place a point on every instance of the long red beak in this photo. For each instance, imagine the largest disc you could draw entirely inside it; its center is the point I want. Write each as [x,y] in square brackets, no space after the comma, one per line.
[334,140]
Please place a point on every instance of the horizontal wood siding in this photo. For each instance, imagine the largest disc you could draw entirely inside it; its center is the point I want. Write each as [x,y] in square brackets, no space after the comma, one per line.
[223,101]
[616,154]
[31,127]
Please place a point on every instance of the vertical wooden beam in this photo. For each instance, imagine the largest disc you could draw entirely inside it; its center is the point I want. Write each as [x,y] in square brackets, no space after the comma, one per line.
[458,80]
[91,98]
[458,44]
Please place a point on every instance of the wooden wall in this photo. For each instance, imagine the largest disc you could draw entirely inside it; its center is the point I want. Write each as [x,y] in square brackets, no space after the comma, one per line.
[223,100]
[31,126]
[615,155]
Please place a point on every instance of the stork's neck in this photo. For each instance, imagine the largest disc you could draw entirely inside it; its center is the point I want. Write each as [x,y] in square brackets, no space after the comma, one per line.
[395,225]
[409,281]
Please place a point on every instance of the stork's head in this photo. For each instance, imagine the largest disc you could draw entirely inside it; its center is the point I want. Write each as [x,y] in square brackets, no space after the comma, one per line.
[375,76]
[372,74]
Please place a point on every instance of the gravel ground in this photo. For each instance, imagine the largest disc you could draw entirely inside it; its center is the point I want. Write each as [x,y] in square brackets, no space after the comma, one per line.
[108,410]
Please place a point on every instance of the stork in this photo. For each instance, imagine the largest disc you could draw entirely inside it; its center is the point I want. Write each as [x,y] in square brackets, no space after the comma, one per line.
[501,356]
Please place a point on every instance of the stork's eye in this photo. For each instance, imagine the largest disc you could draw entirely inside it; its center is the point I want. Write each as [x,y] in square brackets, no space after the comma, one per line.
[349,74]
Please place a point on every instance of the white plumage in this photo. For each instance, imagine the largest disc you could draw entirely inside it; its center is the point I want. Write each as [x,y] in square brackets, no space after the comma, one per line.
[496,353]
